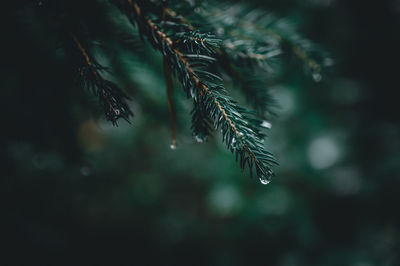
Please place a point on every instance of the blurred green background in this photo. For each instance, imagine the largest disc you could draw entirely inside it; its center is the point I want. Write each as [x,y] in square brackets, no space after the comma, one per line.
[77,191]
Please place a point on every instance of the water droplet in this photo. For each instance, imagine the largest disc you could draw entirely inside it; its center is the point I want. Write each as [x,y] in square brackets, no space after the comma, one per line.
[266,124]
[198,139]
[264,180]
[193,94]
[117,112]
[233,140]
[317,76]
[240,134]
[173,147]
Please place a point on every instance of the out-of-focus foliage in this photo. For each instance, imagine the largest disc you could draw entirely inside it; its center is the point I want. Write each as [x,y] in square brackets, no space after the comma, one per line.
[77,191]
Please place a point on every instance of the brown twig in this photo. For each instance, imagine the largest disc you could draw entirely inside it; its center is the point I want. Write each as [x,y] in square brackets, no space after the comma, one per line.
[169,86]
[168,83]
[172,13]
[84,53]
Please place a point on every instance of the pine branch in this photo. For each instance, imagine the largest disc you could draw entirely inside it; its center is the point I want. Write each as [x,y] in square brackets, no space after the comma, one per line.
[241,133]
[112,98]
[258,23]
[242,23]
[202,125]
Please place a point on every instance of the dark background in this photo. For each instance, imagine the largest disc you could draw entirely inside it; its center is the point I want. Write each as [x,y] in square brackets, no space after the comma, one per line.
[77,191]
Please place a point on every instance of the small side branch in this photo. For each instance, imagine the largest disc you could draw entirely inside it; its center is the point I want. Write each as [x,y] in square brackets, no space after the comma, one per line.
[112,98]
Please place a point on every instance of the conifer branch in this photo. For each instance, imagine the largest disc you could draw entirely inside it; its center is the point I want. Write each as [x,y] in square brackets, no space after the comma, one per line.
[265,25]
[112,98]
[182,19]
[295,48]
[241,133]
[84,53]
[274,30]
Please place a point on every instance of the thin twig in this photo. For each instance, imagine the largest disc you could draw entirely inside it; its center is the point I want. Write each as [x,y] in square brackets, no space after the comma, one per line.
[169,86]
[84,53]
[171,108]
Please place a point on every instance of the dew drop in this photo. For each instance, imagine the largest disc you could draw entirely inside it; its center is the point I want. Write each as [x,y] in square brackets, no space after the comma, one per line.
[266,124]
[193,94]
[172,146]
[198,139]
[264,181]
